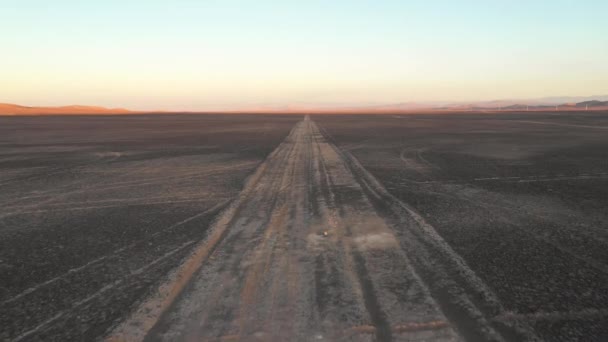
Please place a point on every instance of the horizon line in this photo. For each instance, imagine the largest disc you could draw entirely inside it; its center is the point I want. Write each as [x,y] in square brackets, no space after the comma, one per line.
[388,107]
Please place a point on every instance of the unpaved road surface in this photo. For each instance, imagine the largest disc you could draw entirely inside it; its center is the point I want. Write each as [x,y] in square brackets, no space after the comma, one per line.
[314,248]
[96,210]
[524,205]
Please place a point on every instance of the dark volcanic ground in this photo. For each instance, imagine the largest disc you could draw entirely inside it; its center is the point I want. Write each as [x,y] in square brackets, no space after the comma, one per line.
[95,210]
[523,197]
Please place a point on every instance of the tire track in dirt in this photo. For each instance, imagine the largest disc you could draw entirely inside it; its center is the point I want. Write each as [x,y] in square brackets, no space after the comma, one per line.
[51,200]
[314,248]
[463,296]
[381,270]
[112,254]
[99,293]
[559,124]
[34,310]
[147,315]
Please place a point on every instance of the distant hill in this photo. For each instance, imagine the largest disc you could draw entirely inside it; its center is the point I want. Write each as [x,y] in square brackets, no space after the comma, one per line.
[599,103]
[556,100]
[593,103]
[512,105]
[13,109]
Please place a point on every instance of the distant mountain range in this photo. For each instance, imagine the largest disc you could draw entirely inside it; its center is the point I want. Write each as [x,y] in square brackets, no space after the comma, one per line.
[548,103]
[503,105]
[591,102]
[13,109]
[499,105]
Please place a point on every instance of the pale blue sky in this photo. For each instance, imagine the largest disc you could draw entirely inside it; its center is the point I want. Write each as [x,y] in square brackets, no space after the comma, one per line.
[199,55]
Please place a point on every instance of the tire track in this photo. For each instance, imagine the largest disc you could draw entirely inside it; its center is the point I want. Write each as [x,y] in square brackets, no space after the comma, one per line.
[559,124]
[465,299]
[147,315]
[514,179]
[301,254]
[383,270]
[112,254]
[555,316]
[39,328]
[23,209]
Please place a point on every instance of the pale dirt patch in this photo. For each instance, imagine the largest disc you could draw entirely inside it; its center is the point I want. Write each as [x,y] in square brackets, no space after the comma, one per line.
[109,154]
[375,241]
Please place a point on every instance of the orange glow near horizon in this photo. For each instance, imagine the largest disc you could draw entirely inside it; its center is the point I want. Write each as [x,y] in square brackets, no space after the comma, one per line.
[239,56]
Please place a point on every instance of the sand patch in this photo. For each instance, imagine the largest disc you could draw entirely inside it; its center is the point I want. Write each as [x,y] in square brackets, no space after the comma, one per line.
[375,241]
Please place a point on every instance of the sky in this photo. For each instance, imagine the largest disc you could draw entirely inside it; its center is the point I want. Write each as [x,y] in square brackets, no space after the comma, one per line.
[224,54]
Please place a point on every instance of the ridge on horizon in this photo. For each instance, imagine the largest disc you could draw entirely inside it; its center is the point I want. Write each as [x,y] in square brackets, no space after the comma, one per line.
[15,109]
[599,102]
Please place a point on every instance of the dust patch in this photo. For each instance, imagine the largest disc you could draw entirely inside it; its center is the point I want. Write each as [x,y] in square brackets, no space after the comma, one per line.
[111,154]
[417,163]
[314,241]
[375,241]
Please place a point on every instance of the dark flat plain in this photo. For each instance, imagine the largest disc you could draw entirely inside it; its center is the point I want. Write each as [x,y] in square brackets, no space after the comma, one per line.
[522,197]
[96,209]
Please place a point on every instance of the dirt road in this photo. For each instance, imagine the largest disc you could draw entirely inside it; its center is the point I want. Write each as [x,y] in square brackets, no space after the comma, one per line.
[314,248]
